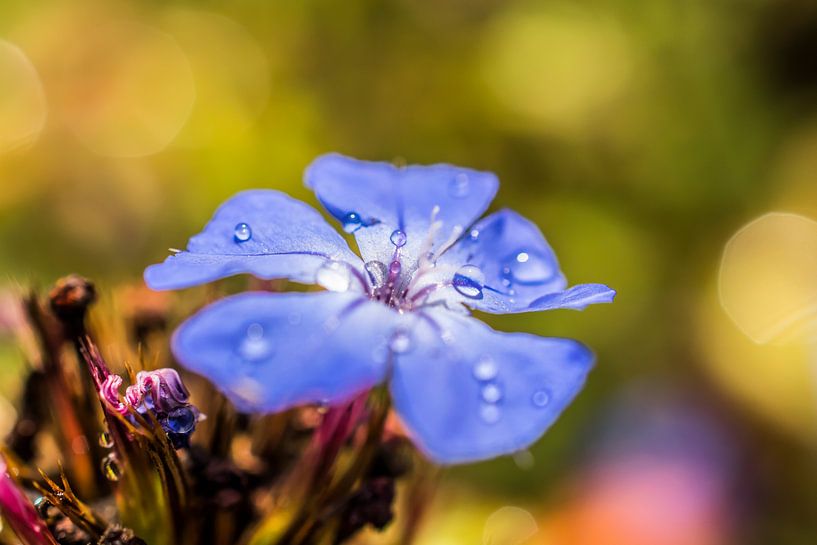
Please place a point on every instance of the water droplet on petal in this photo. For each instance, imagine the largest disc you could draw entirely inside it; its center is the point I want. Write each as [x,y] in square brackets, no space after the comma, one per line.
[255,346]
[111,468]
[459,186]
[485,369]
[181,420]
[242,232]
[490,413]
[334,276]
[528,269]
[491,393]
[400,342]
[540,398]
[377,272]
[473,236]
[331,324]
[468,281]
[395,267]
[105,440]
[398,238]
[352,222]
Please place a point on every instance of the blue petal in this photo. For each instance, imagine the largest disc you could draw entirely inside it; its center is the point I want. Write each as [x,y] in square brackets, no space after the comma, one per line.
[521,272]
[576,298]
[268,352]
[374,199]
[467,392]
[283,238]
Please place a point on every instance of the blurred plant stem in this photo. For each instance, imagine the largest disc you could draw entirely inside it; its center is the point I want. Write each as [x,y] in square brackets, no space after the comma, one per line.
[322,500]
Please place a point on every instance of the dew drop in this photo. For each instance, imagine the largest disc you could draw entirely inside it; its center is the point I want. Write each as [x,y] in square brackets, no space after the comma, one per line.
[377,272]
[491,393]
[111,468]
[485,369]
[524,459]
[331,324]
[105,440]
[468,281]
[395,267]
[540,398]
[528,269]
[459,186]
[352,222]
[400,342]
[489,413]
[473,236]
[42,505]
[398,238]
[334,276]
[255,345]
[181,420]
[242,232]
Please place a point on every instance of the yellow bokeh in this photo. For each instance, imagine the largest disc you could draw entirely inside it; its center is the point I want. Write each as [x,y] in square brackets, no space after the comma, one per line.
[768,277]
[558,68]
[22,99]
[231,73]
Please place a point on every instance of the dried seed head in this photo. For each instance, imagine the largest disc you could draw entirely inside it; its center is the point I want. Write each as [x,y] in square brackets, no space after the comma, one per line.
[70,298]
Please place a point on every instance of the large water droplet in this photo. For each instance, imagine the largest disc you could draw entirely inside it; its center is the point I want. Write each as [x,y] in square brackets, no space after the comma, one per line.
[459,186]
[181,420]
[400,341]
[334,276]
[377,272]
[527,268]
[490,413]
[540,398]
[255,345]
[105,440]
[111,468]
[491,393]
[468,281]
[485,369]
[242,232]
[398,238]
[352,222]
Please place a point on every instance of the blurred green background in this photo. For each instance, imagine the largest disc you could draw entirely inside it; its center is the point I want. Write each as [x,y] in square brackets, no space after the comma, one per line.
[667,148]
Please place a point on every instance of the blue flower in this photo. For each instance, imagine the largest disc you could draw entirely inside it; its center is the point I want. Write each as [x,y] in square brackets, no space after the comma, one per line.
[464,391]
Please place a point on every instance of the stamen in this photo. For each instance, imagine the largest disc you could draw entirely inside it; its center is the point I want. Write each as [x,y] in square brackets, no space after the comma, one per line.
[456,233]
[428,290]
[428,242]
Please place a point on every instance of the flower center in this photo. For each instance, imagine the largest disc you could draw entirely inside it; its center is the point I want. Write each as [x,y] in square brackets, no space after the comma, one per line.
[399,284]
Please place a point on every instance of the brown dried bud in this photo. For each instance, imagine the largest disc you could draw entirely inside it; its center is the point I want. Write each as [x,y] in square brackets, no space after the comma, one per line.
[70,299]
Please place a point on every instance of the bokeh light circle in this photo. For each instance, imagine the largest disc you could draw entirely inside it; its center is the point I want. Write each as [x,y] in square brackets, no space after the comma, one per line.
[23,106]
[126,90]
[558,67]
[231,73]
[768,278]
